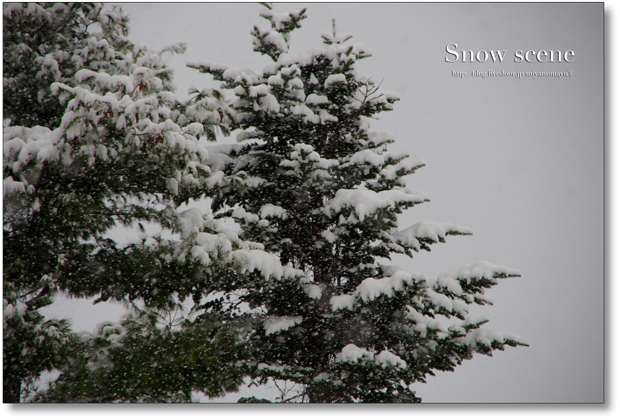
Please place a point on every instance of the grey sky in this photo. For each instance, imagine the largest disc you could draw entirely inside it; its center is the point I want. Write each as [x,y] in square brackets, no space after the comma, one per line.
[520,161]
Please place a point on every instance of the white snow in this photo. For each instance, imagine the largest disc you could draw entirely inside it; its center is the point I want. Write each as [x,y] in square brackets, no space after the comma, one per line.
[265,366]
[385,359]
[191,221]
[380,137]
[241,213]
[216,179]
[367,156]
[278,40]
[173,186]
[18,309]
[268,103]
[352,353]
[516,338]
[276,324]
[270,210]
[309,116]
[422,323]
[302,147]
[450,284]
[265,263]
[314,291]
[371,288]
[194,128]
[329,236]
[259,90]
[295,83]
[474,320]
[10,185]
[440,301]
[327,163]
[367,202]
[335,78]
[486,337]
[391,171]
[325,116]
[432,231]
[342,302]
[483,299]
[219,246]
[291,71]
[480,270]
[275,80]
[314,99]
[233,73]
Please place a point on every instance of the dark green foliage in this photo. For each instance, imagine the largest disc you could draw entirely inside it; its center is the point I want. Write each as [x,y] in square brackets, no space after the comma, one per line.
[84,153]
[300,294]
[147,358]
[320,191]
[253,400]
[37,44]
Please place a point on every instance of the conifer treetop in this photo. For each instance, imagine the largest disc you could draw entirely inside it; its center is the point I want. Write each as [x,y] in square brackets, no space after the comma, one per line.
[320,190]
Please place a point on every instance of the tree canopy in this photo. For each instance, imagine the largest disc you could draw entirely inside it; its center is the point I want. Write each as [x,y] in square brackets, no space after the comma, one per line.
[121,151]
[95,137]
[323,193]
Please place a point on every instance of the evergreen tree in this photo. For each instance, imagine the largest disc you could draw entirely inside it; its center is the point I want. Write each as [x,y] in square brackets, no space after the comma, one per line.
[150,356]
[43,44]
[36,39]
[107,143]
[317,188]
[299,294]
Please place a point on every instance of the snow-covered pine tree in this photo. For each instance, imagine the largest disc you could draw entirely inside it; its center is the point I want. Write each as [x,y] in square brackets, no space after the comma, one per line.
[109,145]
[311,182]
[38,40]
[149,356]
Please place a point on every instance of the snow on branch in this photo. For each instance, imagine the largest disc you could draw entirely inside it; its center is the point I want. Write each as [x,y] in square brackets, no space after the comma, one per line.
[419,235]
[372,288]
[452,292]
[484,340]
[367,202]
[353,354]
[276,324]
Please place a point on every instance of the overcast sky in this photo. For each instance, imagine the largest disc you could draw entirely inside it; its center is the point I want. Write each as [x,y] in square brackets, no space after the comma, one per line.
[520,161]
